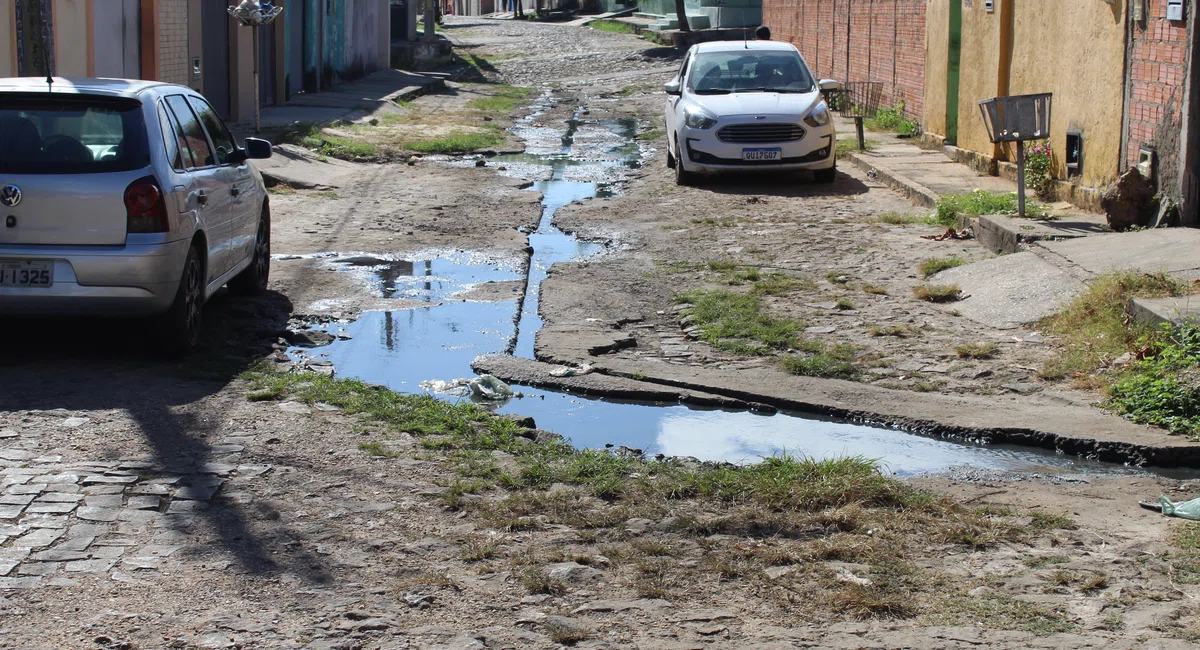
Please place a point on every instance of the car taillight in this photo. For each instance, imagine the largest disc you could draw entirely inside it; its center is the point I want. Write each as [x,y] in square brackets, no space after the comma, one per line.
[145,207]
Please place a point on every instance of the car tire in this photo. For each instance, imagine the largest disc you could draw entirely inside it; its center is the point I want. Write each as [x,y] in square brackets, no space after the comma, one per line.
[180,329]
[252,281]
[682,176]
[825,175]
[671,162]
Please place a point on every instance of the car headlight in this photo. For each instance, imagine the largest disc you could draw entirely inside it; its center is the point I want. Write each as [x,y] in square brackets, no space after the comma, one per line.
[819,116]
[698,118]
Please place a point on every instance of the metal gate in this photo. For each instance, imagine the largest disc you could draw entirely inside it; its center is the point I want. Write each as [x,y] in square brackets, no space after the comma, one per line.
[214,64]
[117,35]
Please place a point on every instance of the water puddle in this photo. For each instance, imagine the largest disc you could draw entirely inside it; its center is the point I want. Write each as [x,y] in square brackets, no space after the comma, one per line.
[404,348]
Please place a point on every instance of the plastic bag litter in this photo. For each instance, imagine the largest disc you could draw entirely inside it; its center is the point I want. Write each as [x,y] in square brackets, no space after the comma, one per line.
[488,387]
[452,387]
[1183,509]
[568,371]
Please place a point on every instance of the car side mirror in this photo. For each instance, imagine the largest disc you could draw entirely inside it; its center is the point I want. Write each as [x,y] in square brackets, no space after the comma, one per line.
[257,149]
[673,88]
[830,84]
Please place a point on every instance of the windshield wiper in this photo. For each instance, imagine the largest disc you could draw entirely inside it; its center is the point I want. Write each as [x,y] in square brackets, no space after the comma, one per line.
[713,91]
[770,90]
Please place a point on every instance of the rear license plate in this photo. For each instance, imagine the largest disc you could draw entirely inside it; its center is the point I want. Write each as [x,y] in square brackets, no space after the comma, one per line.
[759,155]
[26,273]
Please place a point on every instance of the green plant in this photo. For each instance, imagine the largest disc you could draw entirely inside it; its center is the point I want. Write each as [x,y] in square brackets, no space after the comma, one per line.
[1164,389]
[902,219]
[613,26]
[976,203]
[892,119]
[377,448]
[848,146]
[933,265]
[875,289]
[835,361]
[735,322]
[501,98]
[1039,170]
[844,304]
[937,292]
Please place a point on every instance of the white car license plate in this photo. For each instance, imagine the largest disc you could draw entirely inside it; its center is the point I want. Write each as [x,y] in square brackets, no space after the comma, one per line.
[26,273]
[759,155]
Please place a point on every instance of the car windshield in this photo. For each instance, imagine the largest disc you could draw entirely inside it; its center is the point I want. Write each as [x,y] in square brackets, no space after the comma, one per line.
[70,134]
[719,73]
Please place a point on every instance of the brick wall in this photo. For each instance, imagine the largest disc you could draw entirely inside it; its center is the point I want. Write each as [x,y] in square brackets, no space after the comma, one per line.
[1157,76]
[885,40]
[173,64]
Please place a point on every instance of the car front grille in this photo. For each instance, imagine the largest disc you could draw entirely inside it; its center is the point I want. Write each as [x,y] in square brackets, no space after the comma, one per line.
[761,133]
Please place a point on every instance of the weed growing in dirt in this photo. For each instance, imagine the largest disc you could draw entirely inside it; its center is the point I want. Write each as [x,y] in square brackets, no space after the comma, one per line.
[875,289]
[501,98]
[736,323]
[1094,328]
[830,362]
[613,26]
[937,292]
[1043,561]
[376,448]
[899,331]
[477,548]
[1164,389]
[653,134]
[933,265]
[538,581]
[722,265]
[985,350]
[901,219]
[976,203]
[455,142]
[892,119]
[838,277]
[844,304]
[314,137]
[1001,612]
[779,284]
[849,145]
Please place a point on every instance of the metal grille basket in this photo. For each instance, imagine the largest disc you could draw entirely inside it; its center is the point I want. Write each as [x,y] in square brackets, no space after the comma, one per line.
[856,99]
[1017,118]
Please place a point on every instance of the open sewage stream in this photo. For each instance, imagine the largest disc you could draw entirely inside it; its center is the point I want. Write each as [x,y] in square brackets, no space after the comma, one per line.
[425,349]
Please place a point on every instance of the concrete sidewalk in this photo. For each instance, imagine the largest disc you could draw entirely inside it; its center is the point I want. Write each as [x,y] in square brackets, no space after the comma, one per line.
[354,99]
[1052,259]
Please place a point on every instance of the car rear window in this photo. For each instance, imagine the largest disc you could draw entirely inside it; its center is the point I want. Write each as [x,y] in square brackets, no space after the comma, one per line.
[71,134]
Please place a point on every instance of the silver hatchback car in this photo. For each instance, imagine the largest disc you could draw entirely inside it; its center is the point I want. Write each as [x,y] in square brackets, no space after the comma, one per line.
[126,198]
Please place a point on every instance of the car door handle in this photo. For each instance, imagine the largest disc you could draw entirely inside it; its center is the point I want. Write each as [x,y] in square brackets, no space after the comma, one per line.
[202,197]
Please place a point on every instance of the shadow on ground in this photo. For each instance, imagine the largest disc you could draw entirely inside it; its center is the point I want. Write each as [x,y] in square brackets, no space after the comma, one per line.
[98,364]
[796,184]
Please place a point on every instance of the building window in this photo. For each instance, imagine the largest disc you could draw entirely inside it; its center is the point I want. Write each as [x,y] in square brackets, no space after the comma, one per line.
[1074,154]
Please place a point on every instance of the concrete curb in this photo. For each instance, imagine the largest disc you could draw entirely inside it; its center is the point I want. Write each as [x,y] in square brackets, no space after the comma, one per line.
[915,191]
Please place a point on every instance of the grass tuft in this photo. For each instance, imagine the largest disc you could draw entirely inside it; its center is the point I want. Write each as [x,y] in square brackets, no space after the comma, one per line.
[933,265]
[985,350]
[937,292]
[830,362]
[976,203]
[735,322]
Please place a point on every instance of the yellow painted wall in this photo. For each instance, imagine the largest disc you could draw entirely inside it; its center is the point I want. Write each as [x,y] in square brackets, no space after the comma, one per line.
[937,30]
[1075,49]
[70,38]
[8,40]
[980,70]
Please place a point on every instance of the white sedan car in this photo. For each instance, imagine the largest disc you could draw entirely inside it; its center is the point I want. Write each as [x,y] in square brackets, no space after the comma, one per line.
[737,106]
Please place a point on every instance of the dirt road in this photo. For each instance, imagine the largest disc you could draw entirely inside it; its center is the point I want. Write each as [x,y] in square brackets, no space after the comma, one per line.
[214,504]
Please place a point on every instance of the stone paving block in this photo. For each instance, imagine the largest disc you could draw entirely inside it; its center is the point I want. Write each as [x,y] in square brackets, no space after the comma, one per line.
[56,478]
[144,502]
[15,454]
[117,541]
[90,566]
[104,489]
[38,538]
[13,554]
[48,460]
[85,530]
[6,566]
[97,479]
[20,471]
[141,563]
[107,552]
[76,543]
[20,583]
[16,499]
[45,521]
[177,522]
[59,555]
[143,517]
[104,501]
[179,507]
[39,568]
[150,489]
[157,550]
[10,512]
[52,508]
[121,576]
[27,488]
[8,433]
[97,514]
[135,464]
[227,449]
[201,490]
[60,497]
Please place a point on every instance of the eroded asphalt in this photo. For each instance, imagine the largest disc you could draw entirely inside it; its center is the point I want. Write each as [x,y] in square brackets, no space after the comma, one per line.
[150,505]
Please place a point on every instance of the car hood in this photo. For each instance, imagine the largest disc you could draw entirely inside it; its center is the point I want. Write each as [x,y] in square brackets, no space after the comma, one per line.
[758,103]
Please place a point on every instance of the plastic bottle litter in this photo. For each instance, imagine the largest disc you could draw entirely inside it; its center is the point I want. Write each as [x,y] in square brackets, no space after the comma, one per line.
[488,387]
[1183,509]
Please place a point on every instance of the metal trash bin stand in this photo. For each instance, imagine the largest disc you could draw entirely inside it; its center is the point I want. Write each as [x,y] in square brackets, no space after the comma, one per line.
[1017,118]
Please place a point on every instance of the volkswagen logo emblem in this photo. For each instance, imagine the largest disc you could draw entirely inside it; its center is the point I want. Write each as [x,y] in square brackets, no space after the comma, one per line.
[10,195]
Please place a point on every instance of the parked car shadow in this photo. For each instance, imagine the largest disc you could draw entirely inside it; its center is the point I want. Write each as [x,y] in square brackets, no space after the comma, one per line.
[796,184]
[109,364]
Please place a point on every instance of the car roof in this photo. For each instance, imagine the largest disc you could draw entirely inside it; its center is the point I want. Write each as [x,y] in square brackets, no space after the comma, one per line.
[81,85]
[729,46]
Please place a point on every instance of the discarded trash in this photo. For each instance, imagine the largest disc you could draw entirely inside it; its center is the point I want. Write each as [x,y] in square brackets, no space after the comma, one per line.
[253,14]
[488,387]
[568,371]
[452,387]
[951,233]
[1183,509]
